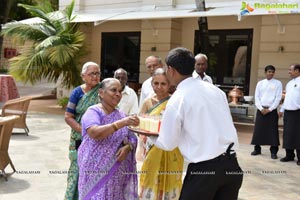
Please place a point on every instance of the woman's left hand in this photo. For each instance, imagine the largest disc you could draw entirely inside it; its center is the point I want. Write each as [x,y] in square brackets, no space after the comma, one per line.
[122,153]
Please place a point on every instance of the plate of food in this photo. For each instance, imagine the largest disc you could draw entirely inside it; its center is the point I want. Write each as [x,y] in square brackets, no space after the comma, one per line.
[142,132]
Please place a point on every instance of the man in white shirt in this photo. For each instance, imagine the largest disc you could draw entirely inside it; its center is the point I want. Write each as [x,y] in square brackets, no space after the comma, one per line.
[152,63]
[268,94]
[291,118]
[129,100]
[200,68]
[200,124]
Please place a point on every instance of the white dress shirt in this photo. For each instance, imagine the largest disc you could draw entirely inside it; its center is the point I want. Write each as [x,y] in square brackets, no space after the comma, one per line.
[199,123]
[292,95]
[129,101]
[268,93]
[146,90]
[205,78]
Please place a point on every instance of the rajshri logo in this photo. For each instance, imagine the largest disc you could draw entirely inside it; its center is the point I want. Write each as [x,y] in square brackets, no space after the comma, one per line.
[270,7]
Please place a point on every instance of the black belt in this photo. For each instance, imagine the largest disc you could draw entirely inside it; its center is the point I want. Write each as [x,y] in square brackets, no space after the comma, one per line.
[292,110]
[265,107]
[220,158]
[224,156]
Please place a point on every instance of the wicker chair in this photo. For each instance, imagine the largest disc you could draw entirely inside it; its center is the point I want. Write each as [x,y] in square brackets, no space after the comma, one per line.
[18,107]
[6,126]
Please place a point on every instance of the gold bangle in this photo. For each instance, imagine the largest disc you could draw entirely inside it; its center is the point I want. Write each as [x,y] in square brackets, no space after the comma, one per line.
[115,126]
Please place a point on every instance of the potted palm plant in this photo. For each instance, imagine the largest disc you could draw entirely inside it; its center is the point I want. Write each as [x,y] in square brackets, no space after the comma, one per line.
[53,49]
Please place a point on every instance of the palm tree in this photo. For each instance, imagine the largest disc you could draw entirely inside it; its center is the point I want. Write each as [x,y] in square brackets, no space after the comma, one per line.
[56,46]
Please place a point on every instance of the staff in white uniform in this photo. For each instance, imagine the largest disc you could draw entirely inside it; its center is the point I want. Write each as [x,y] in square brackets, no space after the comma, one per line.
[268,94]
[200,124]
[291,119]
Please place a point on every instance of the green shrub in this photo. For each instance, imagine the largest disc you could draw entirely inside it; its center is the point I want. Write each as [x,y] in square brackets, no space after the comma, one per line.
[63,102]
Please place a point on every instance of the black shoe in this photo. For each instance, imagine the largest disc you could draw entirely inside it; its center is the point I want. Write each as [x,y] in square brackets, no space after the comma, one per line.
[286,159]
[254,153]
[298,162]
[274,156]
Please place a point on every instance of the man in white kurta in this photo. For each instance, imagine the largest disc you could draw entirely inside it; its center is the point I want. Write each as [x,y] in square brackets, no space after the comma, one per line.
[129,100]
[268,93]
[201,65]
[197,119]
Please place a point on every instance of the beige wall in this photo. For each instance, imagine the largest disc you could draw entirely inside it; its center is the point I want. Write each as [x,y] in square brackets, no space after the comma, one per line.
[272,38]
[94,35]
[154,34]
[161,34]
[169,33]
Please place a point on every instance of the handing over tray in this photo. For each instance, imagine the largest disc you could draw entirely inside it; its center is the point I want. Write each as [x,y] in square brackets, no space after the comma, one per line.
[142,132]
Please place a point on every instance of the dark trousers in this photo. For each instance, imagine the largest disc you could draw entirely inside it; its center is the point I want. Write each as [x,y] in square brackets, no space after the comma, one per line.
[290,153]
[216,179]
[273,149]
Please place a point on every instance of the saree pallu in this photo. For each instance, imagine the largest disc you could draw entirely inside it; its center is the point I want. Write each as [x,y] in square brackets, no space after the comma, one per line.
[161,172]
[101,176]
[87,100]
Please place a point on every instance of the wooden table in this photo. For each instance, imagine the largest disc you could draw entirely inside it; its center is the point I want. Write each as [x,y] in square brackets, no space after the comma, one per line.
[8,88]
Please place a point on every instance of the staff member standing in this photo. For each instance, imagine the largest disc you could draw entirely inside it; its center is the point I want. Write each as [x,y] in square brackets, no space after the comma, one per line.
[268,94]
[200,124]
[291,119]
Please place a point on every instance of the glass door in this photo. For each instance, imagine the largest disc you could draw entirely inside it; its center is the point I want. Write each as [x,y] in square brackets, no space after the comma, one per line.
[229,57]
[121,49]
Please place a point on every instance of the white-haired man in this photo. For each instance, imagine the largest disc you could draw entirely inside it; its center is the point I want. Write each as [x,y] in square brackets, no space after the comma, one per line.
[201,67]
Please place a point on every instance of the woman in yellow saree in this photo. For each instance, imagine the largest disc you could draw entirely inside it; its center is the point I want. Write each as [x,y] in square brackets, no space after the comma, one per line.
[161,172]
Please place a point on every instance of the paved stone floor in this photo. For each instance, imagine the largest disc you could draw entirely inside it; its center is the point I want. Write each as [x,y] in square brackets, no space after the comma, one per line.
[41,160]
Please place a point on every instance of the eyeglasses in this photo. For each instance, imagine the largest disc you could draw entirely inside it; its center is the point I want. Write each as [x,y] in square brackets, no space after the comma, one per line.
[92,74]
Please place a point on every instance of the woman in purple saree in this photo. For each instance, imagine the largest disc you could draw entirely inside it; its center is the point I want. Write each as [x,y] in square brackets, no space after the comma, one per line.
[106,156]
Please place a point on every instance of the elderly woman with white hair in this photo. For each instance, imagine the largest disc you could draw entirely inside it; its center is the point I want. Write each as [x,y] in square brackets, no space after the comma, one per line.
[80,99]
[106,156]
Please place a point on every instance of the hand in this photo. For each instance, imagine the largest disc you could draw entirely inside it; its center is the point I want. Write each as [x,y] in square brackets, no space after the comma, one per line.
[280,114]
[265,111]
[132,120]
[143,138]
[123,152]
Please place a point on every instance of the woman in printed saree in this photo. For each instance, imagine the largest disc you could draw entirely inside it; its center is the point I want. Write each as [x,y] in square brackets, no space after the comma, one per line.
[106,156]
[161,176]
[80,99]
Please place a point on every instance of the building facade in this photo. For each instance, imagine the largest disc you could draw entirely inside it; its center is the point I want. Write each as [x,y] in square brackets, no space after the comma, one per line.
[242,37]
[240,46]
